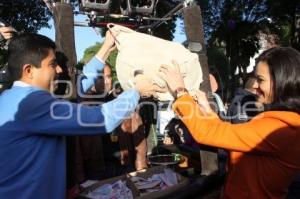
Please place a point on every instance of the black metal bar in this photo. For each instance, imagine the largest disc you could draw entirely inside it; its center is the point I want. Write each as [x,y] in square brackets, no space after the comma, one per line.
[174,10]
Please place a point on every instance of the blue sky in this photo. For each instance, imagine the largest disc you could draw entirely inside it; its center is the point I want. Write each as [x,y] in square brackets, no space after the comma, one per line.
[87,36]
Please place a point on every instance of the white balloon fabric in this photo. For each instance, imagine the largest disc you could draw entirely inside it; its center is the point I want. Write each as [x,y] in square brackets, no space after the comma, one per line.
[138,52]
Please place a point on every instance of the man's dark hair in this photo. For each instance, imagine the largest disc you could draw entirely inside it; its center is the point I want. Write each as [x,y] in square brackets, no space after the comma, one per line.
[284,67]
[250,82]
[27,48]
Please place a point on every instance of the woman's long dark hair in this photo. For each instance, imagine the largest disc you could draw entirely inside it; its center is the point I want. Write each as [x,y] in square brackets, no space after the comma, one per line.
[284,67]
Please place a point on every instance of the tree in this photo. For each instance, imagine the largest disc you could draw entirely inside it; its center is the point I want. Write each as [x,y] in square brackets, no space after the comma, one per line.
[285,16]
[218,66]
[25,15]
[90,52]
[233,25]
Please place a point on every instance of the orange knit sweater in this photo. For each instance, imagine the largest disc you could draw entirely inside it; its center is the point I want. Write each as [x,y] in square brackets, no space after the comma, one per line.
[264,153]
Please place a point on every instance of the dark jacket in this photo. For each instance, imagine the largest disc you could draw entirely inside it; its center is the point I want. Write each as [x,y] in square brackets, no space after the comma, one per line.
[242,107]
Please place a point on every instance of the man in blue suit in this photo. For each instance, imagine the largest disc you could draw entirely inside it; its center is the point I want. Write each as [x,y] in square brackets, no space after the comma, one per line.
[33,122]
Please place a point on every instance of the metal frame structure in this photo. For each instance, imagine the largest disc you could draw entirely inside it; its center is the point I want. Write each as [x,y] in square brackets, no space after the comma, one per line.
[136,16]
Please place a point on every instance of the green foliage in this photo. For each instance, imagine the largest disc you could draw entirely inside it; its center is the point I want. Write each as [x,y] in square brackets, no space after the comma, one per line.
[233,25]
[91,51]
[231,28]
[25,15]
[282,10]
[283,15]
[112,61]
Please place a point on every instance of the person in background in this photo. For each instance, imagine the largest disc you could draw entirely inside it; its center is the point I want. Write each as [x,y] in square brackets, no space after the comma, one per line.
[61,87]
[129,138]
[132,140]
[264,152]
[177,133]
[244,105]
[103,156]
[6,34]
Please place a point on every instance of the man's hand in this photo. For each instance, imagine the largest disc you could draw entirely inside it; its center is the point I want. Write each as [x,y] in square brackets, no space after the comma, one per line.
[108,45]
[110,39]
[7,32]
[172,76]
[200,97]
[146,87]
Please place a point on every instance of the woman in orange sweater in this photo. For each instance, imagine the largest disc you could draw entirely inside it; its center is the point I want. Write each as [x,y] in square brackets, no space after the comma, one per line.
[265,152]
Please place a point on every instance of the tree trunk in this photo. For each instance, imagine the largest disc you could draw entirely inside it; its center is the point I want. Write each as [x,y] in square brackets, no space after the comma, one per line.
[65,43]
[64,38]
[194,32]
